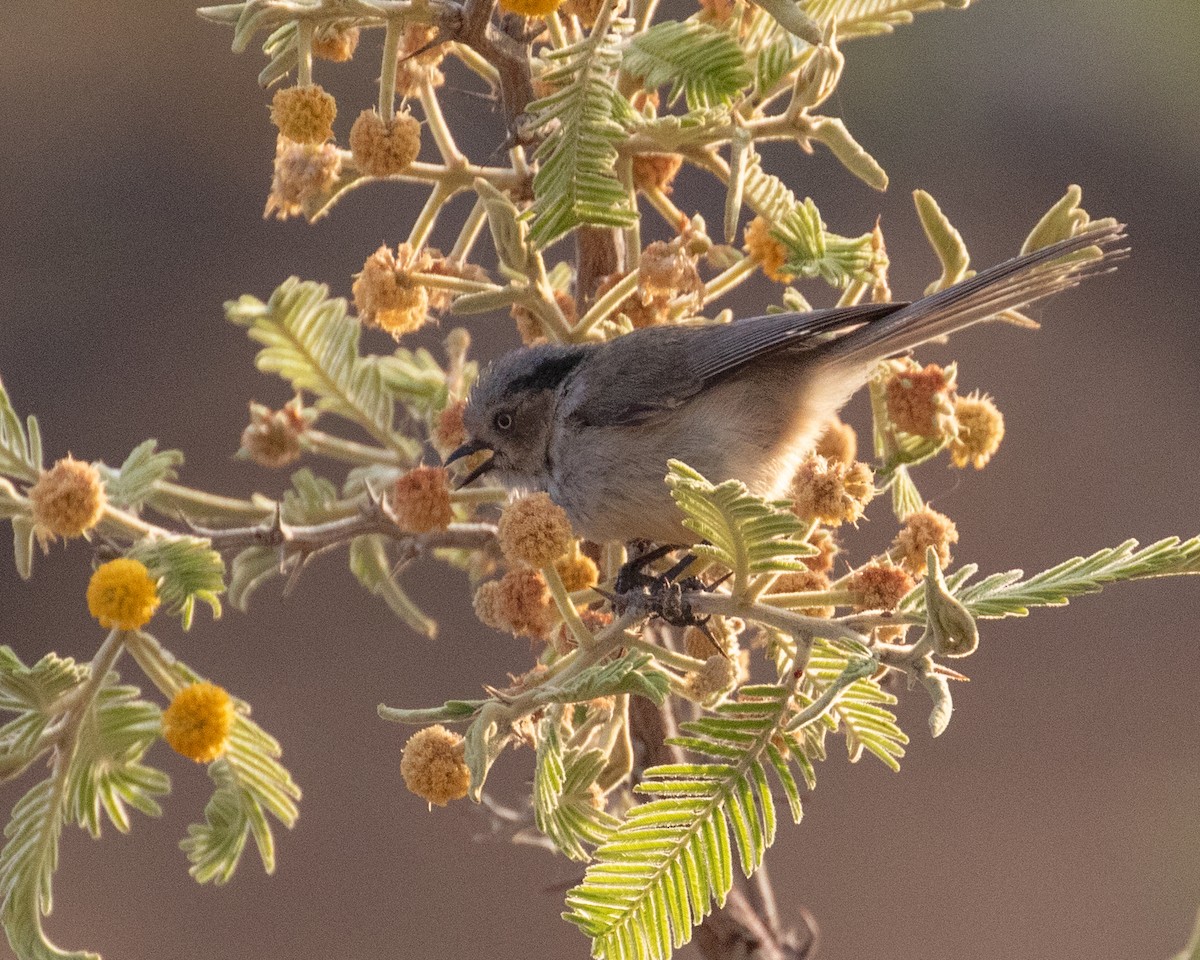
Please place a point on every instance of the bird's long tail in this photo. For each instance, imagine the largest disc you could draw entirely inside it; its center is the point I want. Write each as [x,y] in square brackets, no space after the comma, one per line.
[1006,286]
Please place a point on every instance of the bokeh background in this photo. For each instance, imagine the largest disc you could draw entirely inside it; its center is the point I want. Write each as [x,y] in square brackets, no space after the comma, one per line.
[1058,816]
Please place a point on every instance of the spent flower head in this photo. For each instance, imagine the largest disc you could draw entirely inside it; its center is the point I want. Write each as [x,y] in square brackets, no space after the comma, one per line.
[272,438]
[518,603]
[831,492]
[880,585]
[420,500]
[380,147]
[303,176]
[386,295]
[67,500]
[335,42]
[838,442]
[980,430]
[433,765]
[805,581]
[535,530]
[304,114]
[920,400]
[923,529]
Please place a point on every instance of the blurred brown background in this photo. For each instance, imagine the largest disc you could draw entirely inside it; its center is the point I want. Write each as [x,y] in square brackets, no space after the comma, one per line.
[1058,816]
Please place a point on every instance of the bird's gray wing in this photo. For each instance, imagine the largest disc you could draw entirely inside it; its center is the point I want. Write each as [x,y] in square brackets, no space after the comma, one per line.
[649,371]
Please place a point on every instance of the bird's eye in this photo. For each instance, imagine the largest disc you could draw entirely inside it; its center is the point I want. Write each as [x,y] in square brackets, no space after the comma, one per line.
[504,421]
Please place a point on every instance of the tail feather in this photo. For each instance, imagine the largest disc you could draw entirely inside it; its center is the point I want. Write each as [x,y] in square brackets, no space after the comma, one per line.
[1006,286]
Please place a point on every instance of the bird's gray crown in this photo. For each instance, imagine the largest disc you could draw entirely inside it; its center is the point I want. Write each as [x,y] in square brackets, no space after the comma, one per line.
[534,368]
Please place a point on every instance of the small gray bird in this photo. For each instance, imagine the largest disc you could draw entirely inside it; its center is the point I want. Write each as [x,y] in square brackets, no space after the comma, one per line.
[594,425]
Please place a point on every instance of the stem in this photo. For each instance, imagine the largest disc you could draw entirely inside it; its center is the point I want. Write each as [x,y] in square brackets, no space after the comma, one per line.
[349,451]
[562,600]
[469,233]
[680,661]
[175,498]
[605,305]
[428,217]
[786,620]
[725,281]
[436,121]
[304,35]
[387,69]
[675,217]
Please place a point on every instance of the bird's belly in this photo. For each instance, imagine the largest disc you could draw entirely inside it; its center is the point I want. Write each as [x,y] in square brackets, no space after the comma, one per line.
[610,480]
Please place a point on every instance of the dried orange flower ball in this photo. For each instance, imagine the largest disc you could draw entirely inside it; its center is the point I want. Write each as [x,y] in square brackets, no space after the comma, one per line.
[667,271]
[67,500]
[838,442]
[924,529]
[880,586]
[304,114]
[656,170]
[980,430]
[414,69]
[335,42]
[767,250]
[387,296]
[383,147]
[530,8]
[919,401]
[805,581]
[434,767]
[535,530]
[449,431]
[421,500]
[832,492]
[122,594]
[518,603]
[304,175]
[272,438]
[827,551]
[198,721]
[714,680]
[577,571]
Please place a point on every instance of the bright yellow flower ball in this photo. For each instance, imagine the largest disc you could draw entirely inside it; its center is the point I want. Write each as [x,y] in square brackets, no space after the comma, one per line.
[198,721]
[122,594]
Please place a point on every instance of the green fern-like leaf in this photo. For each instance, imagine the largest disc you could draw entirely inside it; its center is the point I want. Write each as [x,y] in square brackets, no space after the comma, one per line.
[32,694]
[107,775]
[704,64]
[134,481]
[251,787]
[627,674]
[1009,594]
[576,183]
[658,874]
[312,342]
[20,443]
[562,805]
[744,533]
[860,18]
[189,571]
[369,562]
[859,712]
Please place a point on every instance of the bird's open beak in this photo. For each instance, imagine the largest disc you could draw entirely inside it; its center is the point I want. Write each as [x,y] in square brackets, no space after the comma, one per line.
[468,448]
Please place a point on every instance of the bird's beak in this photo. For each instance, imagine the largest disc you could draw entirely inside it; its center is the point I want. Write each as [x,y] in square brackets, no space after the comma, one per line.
[468,448]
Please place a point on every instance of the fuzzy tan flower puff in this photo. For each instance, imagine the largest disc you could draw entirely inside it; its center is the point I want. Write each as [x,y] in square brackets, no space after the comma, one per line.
[449,430]
[518,603]
[434,767]
[198,721]
[923,529]
[639,312]
[121,594]
[420,500]
[381,147]
[880,586]
[335,42]
[768,251]
[303,176]
[586,10]
[838,442]
[387,296]
[668,271]
[577,570]
[920,400]
[67,500]
[413,69]
[304,114]
[715,680]
[832,493]
[980,430]
[656,170]
[272,438]
[827,551]
[535,530]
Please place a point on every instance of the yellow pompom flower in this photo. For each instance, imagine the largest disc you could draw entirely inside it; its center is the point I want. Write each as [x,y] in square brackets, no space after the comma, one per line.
[980,430]
[304,114]
[577,570]
[535,530]
[433,765]
[67,500]
[530,8]
[122,594]
[198,721]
